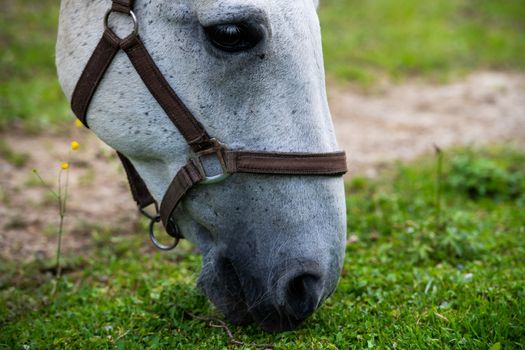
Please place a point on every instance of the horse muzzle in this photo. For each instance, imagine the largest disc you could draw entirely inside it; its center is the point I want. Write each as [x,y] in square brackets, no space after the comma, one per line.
[277,300]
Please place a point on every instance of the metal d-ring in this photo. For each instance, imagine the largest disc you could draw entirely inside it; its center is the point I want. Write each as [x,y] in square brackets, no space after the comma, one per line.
[133,18]
[156,243]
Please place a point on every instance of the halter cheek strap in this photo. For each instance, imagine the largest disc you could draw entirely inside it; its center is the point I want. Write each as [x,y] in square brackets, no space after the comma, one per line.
[124,6]
[201,144]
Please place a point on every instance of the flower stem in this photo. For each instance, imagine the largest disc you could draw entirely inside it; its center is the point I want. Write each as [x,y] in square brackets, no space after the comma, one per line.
[45,184]
[439,180]
[62,200]
[59,247]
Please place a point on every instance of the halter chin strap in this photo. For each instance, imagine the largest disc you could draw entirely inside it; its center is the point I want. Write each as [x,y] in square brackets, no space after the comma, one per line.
[201,144]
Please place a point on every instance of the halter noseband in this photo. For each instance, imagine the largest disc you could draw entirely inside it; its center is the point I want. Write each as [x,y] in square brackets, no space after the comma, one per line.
[201,144]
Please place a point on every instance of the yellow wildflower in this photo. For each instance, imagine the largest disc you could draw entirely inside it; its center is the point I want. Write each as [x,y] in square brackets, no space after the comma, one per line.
[78,123]
[75,145]
[64,166]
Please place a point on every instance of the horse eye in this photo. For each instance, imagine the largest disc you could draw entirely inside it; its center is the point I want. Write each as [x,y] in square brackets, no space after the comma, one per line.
[234,37]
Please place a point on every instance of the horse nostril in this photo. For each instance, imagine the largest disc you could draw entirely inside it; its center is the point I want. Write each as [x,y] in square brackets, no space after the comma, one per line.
[303,293]
[297,287]
[228,273]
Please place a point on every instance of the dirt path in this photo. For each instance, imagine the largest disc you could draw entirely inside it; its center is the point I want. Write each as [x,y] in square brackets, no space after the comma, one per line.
[399,122]
[402,122]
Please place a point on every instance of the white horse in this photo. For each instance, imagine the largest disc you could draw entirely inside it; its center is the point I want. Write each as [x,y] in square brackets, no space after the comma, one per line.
[252,72]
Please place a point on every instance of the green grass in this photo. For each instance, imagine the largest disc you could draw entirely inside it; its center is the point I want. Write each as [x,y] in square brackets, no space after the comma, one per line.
[410,281]
[368,40]
[29,90]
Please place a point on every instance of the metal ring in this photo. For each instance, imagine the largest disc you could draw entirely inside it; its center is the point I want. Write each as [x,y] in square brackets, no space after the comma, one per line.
[156,243]
[133,18]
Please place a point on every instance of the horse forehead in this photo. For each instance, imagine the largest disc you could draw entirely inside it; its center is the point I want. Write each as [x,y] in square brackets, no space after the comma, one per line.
[185,8]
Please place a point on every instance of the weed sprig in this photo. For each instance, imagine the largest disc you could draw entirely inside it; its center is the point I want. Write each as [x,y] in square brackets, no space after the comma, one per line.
[61,196]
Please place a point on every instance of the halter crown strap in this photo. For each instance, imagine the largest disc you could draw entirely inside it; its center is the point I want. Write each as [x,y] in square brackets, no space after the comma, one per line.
[202,145]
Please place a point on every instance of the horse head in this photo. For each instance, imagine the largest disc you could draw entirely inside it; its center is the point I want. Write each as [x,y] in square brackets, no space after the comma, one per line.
[252,73]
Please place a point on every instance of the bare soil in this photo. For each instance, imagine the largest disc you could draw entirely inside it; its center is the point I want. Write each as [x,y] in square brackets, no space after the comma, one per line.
[395,122]
[401,122]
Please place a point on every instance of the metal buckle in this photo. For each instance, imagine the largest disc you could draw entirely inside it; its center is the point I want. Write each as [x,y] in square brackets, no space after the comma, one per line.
[217,150]
[133,18]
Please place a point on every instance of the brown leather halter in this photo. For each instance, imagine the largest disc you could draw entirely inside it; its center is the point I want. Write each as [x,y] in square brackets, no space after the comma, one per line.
[200,142]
